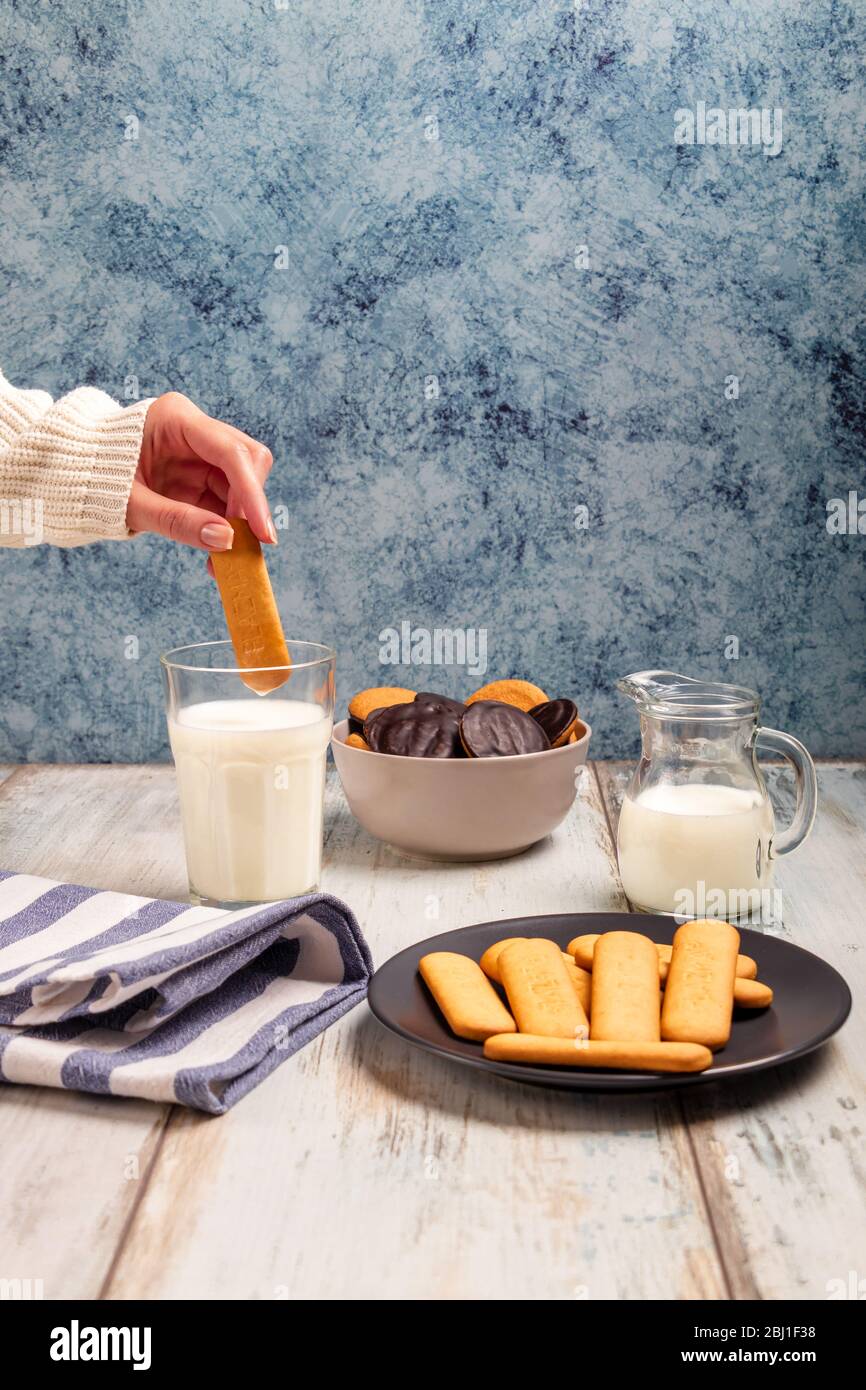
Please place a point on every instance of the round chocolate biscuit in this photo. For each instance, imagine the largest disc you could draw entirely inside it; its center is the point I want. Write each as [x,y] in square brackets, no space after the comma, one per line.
[557,718]
[492,729]
[414,731]
[365,722]
[523,694]
[376,697]
[443,704]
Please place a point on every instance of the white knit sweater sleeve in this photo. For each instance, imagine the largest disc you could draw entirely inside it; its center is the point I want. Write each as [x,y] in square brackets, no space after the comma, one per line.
[66,466]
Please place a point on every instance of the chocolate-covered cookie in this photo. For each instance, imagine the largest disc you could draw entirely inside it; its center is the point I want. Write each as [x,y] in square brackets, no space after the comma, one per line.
[492,729]
[443,704]
[356,725]
[557,718]
[364,722]
[376,697]
[414,731]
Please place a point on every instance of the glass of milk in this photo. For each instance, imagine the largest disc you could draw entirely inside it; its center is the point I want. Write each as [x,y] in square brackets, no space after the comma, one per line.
[250,772]
[697,834]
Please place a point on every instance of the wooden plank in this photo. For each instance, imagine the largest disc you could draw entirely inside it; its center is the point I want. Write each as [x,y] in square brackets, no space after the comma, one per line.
[114,827]
[75,1165]
[780,1155]
[73,1168]
[364,1168]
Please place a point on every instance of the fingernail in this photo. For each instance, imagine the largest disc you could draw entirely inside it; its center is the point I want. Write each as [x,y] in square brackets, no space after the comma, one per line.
[272,531]
[217,537]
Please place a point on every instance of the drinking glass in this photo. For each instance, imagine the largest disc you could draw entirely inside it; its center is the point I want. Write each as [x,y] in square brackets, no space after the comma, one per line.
[250,770]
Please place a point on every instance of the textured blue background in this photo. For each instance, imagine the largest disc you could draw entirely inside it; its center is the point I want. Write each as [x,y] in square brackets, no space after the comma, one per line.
[305,128]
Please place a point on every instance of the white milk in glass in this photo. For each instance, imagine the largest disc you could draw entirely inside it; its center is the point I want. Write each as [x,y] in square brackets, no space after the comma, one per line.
[251,778]
[673,839]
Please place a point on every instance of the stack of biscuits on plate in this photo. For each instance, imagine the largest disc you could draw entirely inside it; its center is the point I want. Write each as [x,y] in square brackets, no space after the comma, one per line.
[617,1000]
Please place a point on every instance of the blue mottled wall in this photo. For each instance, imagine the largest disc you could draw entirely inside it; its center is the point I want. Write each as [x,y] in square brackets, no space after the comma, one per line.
[411,257]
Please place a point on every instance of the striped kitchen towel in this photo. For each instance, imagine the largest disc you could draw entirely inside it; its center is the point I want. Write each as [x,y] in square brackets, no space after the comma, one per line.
[132,996]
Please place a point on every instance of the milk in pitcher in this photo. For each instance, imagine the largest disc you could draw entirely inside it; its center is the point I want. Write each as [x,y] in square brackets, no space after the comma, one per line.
[688,844]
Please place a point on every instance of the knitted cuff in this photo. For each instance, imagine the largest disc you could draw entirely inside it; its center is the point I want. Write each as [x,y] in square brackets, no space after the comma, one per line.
[95,445]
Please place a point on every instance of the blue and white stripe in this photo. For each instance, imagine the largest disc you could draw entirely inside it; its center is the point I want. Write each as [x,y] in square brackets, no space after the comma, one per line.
[130,996]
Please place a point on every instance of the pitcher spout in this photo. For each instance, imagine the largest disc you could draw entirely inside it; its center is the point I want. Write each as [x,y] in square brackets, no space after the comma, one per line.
[677,696]
[653,687]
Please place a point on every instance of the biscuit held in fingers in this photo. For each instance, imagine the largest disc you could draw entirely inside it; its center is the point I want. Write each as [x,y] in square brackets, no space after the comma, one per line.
[625,988]
[489,962]
[699,994]
[471,1006]
[621,1056]
[540,994]
[251,610]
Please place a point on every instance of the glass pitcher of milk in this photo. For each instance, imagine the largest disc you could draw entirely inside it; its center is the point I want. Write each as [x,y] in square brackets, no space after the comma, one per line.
[697,834]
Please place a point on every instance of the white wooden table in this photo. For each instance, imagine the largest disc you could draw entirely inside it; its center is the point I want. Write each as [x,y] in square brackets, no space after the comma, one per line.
[363,1168]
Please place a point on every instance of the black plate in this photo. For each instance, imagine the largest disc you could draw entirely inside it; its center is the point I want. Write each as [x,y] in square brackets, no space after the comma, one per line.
[811,1002]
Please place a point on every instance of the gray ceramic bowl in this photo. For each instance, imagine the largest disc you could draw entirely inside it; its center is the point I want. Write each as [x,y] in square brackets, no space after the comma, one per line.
[459,808]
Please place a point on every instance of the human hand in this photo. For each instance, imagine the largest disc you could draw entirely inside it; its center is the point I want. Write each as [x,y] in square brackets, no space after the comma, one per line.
[194,471]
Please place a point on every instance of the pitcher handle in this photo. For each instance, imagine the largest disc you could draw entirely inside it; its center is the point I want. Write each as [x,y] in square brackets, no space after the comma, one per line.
[807,789]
